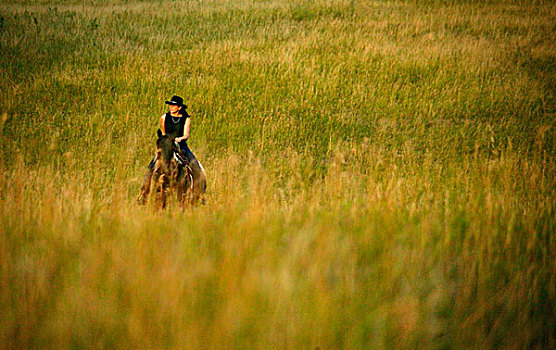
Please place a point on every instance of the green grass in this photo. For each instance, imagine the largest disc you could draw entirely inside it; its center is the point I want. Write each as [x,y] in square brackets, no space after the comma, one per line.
[381,174]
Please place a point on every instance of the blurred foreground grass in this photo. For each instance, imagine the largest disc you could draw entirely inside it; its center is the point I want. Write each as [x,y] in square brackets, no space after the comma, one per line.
[445,258]
[381,175]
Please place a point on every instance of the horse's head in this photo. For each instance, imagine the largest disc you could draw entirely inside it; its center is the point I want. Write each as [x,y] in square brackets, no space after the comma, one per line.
[165,148]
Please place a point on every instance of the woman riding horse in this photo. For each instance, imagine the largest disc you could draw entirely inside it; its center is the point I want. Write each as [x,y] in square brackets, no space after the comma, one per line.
[177,122]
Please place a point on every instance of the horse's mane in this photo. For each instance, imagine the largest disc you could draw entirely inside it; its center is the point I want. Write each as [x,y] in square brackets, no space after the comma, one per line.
[165,145]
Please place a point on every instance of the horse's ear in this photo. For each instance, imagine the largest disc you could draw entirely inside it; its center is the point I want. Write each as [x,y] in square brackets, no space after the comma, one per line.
[159,133]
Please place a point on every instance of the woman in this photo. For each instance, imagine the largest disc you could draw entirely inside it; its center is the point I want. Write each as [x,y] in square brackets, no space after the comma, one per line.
[177,121]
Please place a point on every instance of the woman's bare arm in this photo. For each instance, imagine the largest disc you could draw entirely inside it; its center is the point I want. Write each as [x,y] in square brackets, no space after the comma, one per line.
[162,124]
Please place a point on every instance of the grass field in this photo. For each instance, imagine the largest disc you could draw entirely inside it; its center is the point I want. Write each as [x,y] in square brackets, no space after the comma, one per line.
[381,175]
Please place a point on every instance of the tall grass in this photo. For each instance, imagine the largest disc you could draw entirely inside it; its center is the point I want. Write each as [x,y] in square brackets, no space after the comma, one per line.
[381,175]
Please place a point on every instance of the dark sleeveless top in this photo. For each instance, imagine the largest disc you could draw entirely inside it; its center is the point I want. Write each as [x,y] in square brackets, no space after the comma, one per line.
[175,125]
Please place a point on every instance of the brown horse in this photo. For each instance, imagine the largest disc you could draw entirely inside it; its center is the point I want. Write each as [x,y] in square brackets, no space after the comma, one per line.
[172,172]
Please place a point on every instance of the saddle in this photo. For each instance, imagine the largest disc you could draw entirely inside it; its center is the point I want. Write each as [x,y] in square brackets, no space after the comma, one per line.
[180,158]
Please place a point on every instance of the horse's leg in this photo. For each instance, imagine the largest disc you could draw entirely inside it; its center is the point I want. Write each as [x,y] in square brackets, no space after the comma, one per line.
[145,188]
[182,185]
[147,180]
[199,181]
[161,191]
[173,183]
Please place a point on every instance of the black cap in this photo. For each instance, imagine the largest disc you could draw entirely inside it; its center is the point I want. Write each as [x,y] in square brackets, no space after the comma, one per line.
[175,100]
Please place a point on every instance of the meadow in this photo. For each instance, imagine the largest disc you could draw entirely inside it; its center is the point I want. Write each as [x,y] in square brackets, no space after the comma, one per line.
[381,174]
